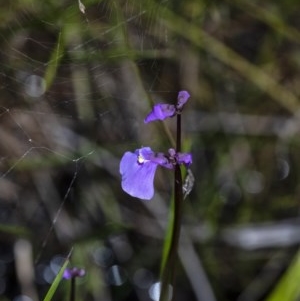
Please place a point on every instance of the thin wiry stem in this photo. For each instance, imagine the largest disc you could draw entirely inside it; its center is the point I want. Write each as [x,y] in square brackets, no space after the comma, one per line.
[72,291]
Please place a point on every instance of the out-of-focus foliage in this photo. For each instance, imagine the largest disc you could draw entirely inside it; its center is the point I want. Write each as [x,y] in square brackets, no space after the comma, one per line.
[75,86]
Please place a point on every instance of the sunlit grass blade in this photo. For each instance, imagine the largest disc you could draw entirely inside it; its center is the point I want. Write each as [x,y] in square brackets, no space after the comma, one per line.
[53,63]
[288,288]
[56,282]
[14,230]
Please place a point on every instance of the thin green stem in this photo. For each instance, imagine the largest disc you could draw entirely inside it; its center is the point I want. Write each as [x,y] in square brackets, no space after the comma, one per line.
[168,276]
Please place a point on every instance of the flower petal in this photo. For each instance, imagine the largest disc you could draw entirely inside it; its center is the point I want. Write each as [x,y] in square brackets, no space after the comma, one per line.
[160,112]
[137,175]
[184,158]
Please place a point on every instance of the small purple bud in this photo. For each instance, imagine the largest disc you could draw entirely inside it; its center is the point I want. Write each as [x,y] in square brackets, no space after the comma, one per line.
[182,98]
[160,112]
[73,273]
[172,152]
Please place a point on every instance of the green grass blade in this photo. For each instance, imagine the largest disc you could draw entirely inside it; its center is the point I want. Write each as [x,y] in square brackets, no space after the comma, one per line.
[54,61]
[56,282]
[14,230]
[168,238]
[288,288]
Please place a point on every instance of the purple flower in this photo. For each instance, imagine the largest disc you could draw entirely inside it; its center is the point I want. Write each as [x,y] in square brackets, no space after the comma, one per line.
[73,273]
[162,111]
[138,169]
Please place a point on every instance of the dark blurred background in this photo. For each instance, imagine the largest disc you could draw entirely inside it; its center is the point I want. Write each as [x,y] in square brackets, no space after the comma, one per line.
[77,79]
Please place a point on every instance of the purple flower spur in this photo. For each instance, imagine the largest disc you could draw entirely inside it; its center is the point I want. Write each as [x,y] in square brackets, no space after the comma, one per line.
[138,169]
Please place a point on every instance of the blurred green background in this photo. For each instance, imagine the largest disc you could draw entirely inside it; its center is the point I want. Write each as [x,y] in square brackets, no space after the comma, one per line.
[76,81]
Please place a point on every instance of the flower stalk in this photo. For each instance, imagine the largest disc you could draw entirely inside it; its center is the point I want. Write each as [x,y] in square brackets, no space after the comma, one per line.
[72,289]
[73,273]
[169,270]
[138,169]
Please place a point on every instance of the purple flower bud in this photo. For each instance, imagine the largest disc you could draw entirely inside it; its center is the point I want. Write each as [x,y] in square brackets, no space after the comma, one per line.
[172,152]
[182,98]
[160,112]
[73,273]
